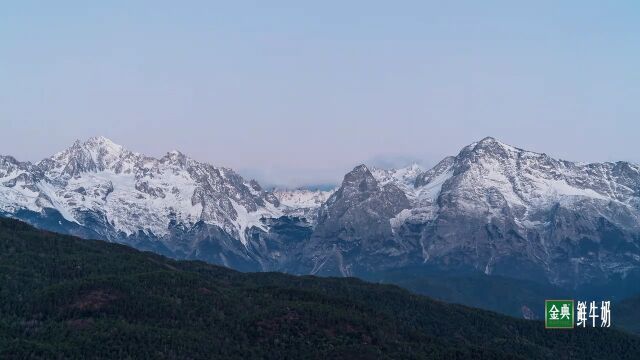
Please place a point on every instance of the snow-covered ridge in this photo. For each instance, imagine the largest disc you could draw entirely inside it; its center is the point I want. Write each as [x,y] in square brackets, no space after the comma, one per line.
[302,202]
[134,192]
[404,178]
[302,198]
[531,179]
[524,181]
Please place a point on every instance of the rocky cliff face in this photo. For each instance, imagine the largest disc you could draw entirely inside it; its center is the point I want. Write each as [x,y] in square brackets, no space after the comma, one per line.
[353,228]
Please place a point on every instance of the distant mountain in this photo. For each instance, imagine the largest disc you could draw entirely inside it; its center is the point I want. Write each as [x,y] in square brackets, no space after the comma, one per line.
[302,202]
[67,298]
[492,209]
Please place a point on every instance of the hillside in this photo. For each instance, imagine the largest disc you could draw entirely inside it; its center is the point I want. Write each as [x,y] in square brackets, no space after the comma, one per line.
[519,298]
[64,297]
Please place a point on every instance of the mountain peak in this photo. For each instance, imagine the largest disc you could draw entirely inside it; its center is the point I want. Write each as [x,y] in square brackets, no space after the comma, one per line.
[491,141]
[96,153]
[488,139]
[359,179]
[489,147]
[100,139]
[101,142]
[176,155]
[360,168]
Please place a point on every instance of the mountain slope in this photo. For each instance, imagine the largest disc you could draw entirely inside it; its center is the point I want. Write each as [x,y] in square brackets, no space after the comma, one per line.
[63,297]
[506,295]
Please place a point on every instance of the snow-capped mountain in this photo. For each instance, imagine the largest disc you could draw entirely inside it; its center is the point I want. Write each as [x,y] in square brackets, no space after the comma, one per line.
[113,193]
[138,193]
[492,208]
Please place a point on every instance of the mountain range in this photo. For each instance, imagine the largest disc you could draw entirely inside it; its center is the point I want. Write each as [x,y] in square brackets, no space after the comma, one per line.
[492,209]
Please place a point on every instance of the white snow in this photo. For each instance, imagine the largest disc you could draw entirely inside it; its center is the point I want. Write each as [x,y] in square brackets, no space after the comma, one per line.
[431,190]
[302,198]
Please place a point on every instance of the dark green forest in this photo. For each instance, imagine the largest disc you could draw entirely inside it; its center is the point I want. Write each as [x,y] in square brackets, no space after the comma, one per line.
[629,314]
[66,298]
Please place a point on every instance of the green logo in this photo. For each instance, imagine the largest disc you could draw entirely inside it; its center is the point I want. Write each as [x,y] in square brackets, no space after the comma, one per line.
[558,314]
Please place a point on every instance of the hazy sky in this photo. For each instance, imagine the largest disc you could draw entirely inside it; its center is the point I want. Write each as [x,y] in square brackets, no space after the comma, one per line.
[293,93]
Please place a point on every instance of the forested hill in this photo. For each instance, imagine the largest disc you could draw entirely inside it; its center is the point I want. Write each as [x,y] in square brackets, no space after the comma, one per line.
[66,298]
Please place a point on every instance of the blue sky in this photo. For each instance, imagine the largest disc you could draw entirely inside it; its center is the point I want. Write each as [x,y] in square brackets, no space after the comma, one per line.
[295,93]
